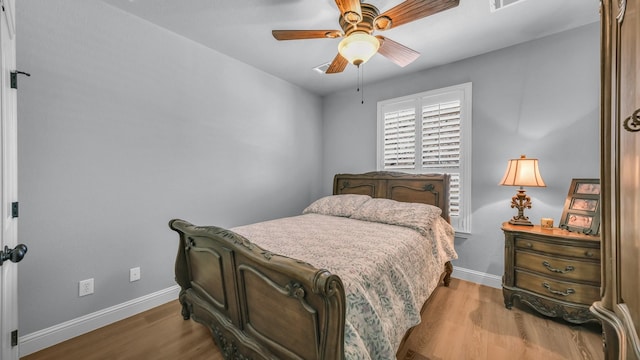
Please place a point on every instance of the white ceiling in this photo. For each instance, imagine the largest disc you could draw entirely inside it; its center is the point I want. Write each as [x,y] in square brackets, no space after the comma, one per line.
[242,29]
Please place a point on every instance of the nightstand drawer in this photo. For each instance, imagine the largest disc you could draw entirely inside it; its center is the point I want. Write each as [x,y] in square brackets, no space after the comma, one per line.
[564,250]
[558,267]
[561,290]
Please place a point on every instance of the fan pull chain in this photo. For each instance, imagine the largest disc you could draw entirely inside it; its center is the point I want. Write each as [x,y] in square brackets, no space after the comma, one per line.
[362,85]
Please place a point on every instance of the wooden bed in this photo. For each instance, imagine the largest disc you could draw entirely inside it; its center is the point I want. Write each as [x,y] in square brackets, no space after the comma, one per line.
[260,305]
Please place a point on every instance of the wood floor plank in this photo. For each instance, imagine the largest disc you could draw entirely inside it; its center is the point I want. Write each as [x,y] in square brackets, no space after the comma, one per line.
[463,321]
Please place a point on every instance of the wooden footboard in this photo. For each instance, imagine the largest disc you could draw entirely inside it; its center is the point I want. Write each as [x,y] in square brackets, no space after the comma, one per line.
[258,305]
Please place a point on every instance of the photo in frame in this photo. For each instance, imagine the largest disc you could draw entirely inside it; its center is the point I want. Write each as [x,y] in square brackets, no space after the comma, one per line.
[582,207]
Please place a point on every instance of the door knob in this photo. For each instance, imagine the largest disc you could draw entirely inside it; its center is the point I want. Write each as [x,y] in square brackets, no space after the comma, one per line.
[14,255]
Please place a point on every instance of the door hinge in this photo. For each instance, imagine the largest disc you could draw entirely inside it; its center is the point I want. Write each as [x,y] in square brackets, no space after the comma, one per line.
[14,209]
[14,337]
[14,78]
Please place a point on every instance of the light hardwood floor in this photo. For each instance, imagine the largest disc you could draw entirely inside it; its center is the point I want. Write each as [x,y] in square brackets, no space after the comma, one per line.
[464,321]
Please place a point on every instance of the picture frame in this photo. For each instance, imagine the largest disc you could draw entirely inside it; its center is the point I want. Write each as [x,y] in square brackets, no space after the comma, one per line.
[581,211]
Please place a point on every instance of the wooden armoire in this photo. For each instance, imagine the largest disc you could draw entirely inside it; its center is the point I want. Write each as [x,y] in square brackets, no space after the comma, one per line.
[619,308]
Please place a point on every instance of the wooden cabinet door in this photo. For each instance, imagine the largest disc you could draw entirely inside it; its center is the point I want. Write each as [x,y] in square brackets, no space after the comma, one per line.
[619,309]
[628,113]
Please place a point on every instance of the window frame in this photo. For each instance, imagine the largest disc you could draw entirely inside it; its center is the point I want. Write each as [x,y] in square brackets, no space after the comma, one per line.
[461,223]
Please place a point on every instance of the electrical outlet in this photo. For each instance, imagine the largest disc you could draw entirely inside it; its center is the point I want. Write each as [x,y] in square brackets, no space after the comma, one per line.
[86,287]
[134,274]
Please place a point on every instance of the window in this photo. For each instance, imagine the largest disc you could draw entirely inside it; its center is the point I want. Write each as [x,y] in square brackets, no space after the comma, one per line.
[430,132]
[496,5]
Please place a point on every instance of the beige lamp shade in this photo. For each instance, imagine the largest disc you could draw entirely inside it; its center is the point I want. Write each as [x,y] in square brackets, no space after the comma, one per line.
[523,172]
[358,47]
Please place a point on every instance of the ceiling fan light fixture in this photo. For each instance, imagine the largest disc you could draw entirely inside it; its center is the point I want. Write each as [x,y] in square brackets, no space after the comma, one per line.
[358,47]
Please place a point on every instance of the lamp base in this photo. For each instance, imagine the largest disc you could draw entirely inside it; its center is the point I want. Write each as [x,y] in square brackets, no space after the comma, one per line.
[524,222]
[521,201]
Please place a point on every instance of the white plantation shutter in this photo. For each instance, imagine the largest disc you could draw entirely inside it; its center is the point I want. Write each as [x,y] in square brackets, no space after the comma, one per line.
[454,195]
[441,135]
[441,145]
[425,133]
[400,139]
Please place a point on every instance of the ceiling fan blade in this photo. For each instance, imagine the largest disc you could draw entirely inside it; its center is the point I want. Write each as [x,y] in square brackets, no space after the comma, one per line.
[305,34]
[412,10]
[350,10]
[396,52]
[338,65]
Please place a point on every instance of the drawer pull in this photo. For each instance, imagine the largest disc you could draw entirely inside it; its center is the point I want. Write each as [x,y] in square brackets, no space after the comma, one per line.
[556,292]
[588,253]
[567,269]
[528,245]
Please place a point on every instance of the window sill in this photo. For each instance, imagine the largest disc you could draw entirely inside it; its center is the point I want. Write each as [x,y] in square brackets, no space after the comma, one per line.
[462,235]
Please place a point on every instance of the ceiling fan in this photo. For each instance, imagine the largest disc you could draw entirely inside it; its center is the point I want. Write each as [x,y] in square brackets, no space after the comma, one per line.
[358,22]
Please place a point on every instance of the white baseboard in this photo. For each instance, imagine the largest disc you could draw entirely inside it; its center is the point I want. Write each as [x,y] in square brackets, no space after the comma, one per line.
[44,338]
[477,277]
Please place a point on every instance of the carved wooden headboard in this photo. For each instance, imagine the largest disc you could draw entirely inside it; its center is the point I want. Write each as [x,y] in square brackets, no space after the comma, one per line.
[430,189]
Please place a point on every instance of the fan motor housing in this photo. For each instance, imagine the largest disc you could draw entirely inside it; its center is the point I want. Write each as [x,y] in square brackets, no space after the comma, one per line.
[369,13]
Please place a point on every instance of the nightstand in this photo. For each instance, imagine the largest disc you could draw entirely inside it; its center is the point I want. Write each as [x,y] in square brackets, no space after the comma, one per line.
[554,271]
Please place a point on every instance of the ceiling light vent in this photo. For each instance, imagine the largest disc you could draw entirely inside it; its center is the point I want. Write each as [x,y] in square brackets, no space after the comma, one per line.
[322,68]
[496,5]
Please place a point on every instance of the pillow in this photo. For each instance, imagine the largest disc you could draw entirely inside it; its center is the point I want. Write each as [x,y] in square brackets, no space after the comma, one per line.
[337,205]
[412,215]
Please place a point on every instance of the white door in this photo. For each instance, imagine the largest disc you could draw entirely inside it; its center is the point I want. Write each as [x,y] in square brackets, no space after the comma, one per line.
[9,181]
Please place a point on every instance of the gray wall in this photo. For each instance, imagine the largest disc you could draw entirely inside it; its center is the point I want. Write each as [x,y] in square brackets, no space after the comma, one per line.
[124,126]
[539,98]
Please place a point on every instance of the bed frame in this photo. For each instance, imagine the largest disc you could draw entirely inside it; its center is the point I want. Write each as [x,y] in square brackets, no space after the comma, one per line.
[260,305]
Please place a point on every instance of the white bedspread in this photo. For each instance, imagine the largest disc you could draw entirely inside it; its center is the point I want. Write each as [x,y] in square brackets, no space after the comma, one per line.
[388,271]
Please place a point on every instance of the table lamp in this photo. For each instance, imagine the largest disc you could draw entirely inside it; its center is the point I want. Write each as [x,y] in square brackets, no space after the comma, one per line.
[522,172]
